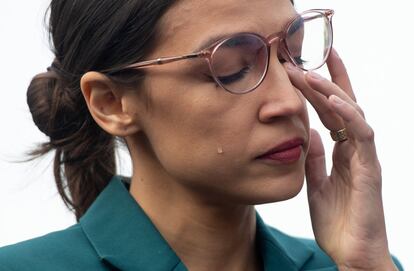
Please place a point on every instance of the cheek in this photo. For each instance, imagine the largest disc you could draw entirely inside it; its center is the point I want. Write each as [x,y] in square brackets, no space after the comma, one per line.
[195,135]
[201,139]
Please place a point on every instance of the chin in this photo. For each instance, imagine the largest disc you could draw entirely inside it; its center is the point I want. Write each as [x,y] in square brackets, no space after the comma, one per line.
[271,190]
[255,189]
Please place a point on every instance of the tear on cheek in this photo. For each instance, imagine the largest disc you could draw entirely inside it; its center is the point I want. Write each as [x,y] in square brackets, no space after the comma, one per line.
[220,150]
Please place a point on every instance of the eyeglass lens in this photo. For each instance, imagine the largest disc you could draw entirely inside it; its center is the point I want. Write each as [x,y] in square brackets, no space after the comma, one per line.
[240,63]
[309,40]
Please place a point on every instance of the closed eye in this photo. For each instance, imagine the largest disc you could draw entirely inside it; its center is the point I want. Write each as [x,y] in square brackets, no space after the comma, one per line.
[299,60]
[229,79]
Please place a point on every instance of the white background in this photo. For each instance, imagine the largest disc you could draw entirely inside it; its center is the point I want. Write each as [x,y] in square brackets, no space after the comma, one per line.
[375,39]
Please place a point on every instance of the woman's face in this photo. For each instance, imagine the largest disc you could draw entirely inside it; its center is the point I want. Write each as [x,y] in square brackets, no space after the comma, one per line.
[207,139]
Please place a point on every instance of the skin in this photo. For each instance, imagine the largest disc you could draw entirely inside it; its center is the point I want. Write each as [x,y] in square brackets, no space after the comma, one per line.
[193,146]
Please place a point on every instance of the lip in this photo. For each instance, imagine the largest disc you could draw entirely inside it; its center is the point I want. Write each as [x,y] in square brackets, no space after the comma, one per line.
[284,150]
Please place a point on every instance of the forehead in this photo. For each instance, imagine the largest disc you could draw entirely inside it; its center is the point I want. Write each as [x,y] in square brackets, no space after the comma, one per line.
[190,22]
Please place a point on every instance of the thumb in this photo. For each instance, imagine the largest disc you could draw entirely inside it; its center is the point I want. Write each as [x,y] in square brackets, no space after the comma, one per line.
[315,165]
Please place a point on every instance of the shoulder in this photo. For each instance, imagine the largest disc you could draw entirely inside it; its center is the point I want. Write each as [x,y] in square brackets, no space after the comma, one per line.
[53,251]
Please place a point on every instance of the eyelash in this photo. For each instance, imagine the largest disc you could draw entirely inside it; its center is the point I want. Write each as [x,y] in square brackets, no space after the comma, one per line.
[240,74]
[235,77]
[298,60]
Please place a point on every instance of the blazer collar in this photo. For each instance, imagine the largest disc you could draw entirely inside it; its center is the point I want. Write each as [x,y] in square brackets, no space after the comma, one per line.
[125,238]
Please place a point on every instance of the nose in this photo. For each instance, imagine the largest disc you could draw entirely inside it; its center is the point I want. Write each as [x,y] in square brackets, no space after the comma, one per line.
[279,97]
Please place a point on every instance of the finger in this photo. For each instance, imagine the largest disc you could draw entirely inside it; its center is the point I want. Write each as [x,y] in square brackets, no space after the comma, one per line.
[339,75]
[319,101]
[315,165]
[357,128]
[297,78]
[329,88]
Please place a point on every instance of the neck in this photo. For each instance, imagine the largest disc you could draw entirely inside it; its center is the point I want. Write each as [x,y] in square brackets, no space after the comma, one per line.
[204,236]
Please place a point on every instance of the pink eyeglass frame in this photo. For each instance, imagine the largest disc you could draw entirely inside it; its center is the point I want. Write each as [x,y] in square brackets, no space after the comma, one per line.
[208,52]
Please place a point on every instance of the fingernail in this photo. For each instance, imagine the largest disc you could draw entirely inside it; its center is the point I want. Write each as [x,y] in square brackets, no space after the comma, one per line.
[315,76]
[336,99]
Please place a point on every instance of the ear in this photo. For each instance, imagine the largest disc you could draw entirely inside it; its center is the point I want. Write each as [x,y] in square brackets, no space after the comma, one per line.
[107,104]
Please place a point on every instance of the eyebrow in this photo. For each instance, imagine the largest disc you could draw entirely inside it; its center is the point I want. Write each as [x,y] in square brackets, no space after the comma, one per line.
[210,40]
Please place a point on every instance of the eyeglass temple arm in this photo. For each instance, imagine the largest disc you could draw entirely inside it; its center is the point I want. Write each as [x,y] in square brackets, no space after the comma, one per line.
[158,61]
[161,60]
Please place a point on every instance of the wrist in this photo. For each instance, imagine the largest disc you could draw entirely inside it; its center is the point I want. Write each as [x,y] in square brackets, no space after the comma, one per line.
[386,265]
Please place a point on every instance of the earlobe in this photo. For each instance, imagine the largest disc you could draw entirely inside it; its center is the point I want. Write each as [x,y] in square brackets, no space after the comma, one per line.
[105,103]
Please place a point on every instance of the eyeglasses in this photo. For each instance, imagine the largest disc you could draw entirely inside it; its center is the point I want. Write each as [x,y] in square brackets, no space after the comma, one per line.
[239,62]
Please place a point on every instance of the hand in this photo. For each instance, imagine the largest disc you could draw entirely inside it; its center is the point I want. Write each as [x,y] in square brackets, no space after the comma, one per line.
[346,206]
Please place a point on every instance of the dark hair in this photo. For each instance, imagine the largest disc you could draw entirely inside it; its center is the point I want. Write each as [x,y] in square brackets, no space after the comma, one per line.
[87,35]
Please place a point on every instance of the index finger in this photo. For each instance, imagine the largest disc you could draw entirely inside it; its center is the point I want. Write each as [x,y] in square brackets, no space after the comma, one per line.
[339,74]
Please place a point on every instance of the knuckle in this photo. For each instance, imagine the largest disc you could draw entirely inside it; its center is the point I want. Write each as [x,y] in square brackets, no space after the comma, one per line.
[378,167]
[369,134]
[355,114]
[360,111]
[377,171]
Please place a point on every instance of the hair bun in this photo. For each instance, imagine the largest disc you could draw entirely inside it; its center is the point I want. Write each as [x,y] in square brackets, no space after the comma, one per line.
[39,99]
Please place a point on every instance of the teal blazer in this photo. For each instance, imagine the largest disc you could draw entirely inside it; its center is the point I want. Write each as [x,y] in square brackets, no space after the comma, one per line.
[116,234]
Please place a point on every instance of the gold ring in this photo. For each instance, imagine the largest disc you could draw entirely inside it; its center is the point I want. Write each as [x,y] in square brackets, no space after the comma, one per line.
[340,135]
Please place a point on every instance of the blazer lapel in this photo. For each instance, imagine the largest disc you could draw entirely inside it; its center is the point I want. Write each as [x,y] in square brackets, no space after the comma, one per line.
[122,234]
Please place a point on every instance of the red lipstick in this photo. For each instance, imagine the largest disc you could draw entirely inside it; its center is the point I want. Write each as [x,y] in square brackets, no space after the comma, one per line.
[285,153]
